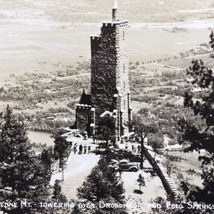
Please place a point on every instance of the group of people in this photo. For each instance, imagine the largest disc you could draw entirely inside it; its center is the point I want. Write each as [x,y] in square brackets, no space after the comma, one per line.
[134,148]
[81,149]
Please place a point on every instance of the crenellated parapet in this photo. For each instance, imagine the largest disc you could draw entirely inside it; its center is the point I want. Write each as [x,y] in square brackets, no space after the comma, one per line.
[95,39]
[114,23]
[83,106]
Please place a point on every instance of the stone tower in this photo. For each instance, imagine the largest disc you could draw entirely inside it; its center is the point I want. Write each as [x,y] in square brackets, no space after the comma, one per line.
[110,91]
[109,70]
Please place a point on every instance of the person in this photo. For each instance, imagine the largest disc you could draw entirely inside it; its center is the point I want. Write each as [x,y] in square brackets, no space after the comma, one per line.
[120,171]
[80,149]
[75,149]
[89,149]
[132,147]
[85,148]
[139,148]
[126,147]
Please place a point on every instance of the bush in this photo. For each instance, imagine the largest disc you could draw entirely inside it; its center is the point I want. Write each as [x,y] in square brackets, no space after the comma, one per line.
[156,141]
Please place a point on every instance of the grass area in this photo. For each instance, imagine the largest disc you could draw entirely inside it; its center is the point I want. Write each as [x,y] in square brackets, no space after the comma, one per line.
[39,96]
[188,166]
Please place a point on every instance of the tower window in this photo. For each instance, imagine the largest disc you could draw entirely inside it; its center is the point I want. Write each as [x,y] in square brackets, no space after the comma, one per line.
[124,67]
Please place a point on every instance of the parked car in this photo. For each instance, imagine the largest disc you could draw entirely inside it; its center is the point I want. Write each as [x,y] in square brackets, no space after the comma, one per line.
[126,165]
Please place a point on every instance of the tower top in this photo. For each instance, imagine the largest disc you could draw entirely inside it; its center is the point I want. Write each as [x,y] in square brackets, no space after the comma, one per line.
[114,10]
[115,5]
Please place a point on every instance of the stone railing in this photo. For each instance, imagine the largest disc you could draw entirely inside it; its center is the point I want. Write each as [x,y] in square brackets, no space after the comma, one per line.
[168,184]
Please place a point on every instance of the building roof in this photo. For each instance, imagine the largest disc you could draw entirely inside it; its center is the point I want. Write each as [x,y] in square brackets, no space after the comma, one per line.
[105,113]
[85,98]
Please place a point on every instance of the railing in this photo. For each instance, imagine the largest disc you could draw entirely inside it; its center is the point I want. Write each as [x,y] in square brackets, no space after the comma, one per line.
[161,172]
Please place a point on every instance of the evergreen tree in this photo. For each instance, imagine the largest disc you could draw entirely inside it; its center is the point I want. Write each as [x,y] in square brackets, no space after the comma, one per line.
[106,131]
[46,160]
[102,185]
[57,194]
[61,151]
[23,175]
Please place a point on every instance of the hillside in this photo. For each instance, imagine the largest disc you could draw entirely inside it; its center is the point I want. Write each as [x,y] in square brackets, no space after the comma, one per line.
[45,51]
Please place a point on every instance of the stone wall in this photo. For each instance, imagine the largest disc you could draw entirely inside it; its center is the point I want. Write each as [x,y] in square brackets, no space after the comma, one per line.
[103,70]
[83,117]
[109,70]
[168,184]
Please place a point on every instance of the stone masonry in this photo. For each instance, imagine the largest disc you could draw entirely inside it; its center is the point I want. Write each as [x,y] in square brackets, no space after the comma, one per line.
[109,76]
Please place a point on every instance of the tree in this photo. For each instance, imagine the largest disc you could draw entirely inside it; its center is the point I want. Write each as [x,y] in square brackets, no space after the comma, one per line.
[106,131]
[142,127]
[102,185]
[144,112]
[57,193]
[46,160]
[140,181]
[156,141]
[61,151]
[24,176]
[201,137]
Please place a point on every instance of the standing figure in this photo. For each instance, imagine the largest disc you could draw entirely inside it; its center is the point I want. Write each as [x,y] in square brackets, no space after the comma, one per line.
[75,149]
[139,148]
[126,147]
[80,149]
[89,149]
[132,147]
[85,148]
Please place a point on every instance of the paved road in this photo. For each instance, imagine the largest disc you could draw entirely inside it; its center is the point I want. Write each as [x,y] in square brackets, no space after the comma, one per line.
[77,169]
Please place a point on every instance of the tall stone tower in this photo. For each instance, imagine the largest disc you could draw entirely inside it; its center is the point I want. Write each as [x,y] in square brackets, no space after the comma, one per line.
[109,71]
[109,75]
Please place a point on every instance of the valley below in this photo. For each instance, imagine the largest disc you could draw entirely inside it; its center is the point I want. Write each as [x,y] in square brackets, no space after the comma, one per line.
[45,62]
